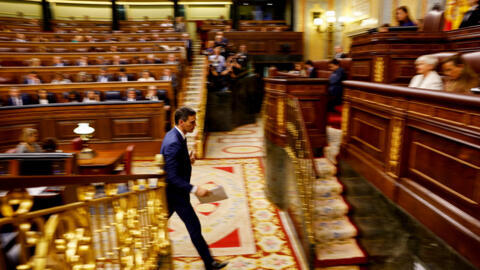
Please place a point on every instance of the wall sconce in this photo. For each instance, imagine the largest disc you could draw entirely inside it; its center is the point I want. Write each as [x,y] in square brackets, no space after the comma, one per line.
[317,20]
[85,131]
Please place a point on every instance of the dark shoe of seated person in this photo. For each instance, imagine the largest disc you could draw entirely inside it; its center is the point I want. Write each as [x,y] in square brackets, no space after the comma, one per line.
[218,265]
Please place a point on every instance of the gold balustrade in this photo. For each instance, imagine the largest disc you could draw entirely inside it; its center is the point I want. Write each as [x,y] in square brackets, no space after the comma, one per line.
[298,150]
[116,222]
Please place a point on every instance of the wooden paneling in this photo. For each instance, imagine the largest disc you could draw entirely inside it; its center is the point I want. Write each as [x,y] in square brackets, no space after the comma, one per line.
[421,148]
[400,49]
[131,128]
[266,43]
[116,124]
[369,133]
[312,98]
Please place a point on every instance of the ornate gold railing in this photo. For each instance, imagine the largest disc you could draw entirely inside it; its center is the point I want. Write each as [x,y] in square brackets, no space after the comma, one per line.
[104,228]
[299,151]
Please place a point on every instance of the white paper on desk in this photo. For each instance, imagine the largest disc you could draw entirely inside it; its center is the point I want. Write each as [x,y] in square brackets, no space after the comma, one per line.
[215,194]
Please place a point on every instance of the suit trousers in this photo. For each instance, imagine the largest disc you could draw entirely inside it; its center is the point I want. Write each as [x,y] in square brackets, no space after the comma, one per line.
[186,213]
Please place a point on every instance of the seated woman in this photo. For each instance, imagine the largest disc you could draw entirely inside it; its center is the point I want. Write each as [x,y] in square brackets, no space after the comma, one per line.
[402,16]
[461,78]
[427,77]
[29,143]
[298,70]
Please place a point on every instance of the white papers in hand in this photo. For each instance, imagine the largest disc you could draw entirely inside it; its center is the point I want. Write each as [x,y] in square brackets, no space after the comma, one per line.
[215,194]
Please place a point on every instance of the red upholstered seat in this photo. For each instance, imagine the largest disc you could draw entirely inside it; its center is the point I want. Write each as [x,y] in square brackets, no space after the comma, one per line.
[11,151]
[334,120]
[77,144]
[128,158]
[339,108]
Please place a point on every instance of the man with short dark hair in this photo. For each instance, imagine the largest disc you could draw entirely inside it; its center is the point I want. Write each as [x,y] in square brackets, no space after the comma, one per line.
[310,69]
[17,98]
[335,87]
[178,167]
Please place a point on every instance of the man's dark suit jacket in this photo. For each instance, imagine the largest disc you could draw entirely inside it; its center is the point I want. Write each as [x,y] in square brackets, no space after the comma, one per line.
[129,78]
[471,18]
[177,167]
[25,99]
[313,73]
[109,78]
[335,87]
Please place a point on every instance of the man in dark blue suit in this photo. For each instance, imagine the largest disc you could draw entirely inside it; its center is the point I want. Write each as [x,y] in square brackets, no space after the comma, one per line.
[335,86]
[178,167]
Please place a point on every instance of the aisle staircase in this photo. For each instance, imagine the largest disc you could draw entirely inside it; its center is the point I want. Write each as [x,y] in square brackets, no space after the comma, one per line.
[195,96]
[335,234]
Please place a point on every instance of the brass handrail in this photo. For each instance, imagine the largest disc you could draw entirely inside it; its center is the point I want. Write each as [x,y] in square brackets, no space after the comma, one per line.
[104,229]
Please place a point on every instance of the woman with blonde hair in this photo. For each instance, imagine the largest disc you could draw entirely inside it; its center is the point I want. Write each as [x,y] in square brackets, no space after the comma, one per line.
[461,78]
[28,142]
[427,77]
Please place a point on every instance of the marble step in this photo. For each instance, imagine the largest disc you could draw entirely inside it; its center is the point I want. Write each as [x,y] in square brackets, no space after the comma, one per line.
[328,187]
[331,208]
[334,229]
[339,252]
[325,168]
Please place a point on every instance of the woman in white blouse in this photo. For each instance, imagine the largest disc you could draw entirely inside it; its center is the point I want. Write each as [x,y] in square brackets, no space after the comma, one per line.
[427,77]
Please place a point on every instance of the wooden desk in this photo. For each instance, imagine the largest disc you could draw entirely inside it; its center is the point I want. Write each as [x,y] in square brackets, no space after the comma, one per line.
[104,162]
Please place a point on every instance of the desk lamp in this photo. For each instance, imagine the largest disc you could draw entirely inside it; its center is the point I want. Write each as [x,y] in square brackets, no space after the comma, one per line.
[85,131]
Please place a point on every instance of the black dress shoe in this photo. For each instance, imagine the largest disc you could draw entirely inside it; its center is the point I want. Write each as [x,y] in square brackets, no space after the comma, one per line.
[218,265]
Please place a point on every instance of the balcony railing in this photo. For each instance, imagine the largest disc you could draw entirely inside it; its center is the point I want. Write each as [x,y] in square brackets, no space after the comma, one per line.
[111,222]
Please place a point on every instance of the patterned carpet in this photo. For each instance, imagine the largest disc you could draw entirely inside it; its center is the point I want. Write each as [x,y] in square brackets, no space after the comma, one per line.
[244,141]
[244,229]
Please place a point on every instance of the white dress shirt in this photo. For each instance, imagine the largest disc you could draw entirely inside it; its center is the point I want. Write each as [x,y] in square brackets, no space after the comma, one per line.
[17,101]
[432,81]
[43,101]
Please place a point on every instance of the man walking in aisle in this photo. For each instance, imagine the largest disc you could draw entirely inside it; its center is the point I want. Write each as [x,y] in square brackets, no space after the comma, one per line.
[178,167]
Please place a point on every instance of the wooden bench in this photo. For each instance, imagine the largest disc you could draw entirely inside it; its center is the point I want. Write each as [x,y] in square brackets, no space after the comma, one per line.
[21,59]
[58,47]
[421,149]
[16,75]
[117,124]
[280,44]
[89,29]
[98,36]
[59,89]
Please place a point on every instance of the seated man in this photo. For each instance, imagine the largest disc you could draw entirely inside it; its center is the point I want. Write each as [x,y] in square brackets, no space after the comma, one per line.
[44,98]
[35,62]
[116,60]
[104,76]
[472,16]
[152,93]
[146,77]
[59,78]
[335,87]
[131,95]
[16,98]
[152,60]
[32,78]
[122,76]
[57,61]
[82,61]
[460,76]
[217,60]
[91,97]
[171,59]
[101,61]
[310,70]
